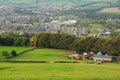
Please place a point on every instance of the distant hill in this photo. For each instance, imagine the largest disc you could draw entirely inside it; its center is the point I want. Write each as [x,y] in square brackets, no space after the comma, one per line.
[110,10]
[64,2]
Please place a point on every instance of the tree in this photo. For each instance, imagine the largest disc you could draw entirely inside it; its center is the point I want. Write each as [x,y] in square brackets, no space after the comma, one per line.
[13,53]
[5,54]
[43,40]
[78,45]
[35,39]
[18,42]
[66,41]
[54,40]
[90,44]
[98,45]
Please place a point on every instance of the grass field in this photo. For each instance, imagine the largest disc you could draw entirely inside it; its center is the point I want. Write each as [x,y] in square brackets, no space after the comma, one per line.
[94,25]
[55,71]
[33,71]
[36,23]
[45,55]
[10,48]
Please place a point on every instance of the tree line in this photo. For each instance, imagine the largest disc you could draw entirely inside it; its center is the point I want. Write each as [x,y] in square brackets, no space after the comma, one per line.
[109,45]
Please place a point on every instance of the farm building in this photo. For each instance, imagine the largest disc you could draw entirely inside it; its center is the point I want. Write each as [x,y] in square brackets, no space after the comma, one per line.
[104,58]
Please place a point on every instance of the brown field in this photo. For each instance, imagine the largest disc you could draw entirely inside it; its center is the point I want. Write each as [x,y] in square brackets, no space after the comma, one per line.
[115,9]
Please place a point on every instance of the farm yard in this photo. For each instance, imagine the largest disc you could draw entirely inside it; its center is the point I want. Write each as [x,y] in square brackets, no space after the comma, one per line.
[55,71]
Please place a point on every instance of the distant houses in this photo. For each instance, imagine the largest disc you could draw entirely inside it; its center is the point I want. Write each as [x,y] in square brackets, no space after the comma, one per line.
[23,19]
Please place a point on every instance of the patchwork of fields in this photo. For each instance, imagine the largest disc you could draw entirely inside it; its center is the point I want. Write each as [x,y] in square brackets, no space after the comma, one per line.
[62,2]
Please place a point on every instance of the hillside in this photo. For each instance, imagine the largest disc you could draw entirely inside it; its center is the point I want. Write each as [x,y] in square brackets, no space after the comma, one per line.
[110,10]
[65,2]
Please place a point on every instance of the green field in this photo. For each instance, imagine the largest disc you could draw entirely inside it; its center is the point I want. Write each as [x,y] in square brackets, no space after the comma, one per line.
[35,23]
[62,2]
[55,71]
[94,25]
[45,55]
[10,48]
[33,71]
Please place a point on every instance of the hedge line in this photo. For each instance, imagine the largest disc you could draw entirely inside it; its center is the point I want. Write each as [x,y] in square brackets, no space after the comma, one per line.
[22,52]
[32,61]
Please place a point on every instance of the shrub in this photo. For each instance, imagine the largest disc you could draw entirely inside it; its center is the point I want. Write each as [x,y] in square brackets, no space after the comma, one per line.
[5,54]
[118,58]
[13,53]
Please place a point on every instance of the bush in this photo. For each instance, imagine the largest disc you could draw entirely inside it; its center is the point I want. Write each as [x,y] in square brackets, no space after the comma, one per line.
[13,53]
[5,54]
[118,58]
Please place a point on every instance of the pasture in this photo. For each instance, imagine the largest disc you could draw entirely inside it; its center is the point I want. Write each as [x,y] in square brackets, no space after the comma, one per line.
[45,55]
[53,71]
[10,48]
[111,10]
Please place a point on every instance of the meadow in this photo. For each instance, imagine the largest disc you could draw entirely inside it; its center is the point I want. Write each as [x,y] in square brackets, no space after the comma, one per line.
[45,55]
[54,71]
[10,48]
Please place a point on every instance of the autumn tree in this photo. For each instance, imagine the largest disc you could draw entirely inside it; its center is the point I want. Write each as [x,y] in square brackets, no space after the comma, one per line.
[35,39]
[5,54]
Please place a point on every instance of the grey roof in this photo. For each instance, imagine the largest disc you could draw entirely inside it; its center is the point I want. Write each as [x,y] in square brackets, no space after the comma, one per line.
[102,56]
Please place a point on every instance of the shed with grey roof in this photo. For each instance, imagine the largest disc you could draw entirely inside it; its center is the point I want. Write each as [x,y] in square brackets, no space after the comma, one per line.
[103,58]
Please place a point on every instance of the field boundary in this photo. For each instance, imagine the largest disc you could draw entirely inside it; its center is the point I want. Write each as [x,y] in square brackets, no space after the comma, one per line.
[22,52]
[35,61]
[25,51]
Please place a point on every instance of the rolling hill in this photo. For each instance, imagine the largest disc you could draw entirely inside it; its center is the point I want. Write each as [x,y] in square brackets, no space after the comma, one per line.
[64,2]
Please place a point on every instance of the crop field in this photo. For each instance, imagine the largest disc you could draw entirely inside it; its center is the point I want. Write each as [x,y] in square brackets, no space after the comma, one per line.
[10,48]
[45,55]
[53,71]
[110,10]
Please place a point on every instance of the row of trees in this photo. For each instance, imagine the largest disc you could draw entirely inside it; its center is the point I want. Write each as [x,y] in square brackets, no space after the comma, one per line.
[109,45]
[84,44]
[14,41]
